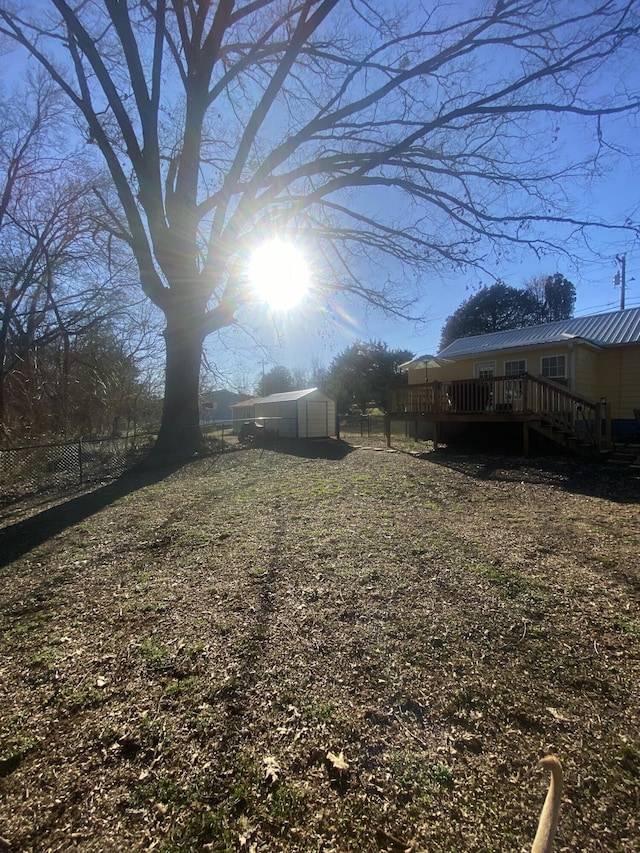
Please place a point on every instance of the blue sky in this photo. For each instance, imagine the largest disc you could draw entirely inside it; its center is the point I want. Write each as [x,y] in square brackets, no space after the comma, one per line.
[320,328]
[316,333]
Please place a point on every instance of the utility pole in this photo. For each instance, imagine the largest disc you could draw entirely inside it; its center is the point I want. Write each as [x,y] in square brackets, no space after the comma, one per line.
[620,278]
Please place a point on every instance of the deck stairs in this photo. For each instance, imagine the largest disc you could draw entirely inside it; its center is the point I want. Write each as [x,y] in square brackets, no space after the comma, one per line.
[569,437]
[578,425]
[625,455]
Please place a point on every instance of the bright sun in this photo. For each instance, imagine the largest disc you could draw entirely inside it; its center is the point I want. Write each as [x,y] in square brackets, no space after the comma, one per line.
[279,274]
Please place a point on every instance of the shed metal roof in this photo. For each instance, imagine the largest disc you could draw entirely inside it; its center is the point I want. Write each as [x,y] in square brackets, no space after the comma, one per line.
[286,396]
[250,401]
[610,329]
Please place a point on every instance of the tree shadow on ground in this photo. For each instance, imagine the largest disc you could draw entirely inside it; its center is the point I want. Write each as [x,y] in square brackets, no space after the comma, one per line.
[309,448]
[577,476]
[19,538]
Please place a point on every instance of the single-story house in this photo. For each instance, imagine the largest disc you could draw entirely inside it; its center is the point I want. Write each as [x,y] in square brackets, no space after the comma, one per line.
[215,406]
[574,371]
[292,414]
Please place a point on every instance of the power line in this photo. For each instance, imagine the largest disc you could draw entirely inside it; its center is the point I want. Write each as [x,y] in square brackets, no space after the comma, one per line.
[612,306]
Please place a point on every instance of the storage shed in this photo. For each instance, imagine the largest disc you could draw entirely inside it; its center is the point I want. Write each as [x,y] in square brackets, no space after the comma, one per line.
[292,414]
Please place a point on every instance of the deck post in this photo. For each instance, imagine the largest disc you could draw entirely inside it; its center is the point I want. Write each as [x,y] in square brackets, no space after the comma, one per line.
[525,438]
[436,397]
[607,424]
[603,412]
[525,393]
[436,433]
[387,428]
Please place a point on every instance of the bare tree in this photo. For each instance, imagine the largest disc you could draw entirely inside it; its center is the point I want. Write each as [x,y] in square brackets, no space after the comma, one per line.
[223,122]
[30,237]
[59,277]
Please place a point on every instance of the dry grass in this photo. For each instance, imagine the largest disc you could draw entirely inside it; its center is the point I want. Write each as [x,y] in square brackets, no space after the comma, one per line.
[181,652]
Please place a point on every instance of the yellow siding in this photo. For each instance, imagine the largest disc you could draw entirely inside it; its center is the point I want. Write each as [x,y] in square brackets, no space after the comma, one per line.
[463,368]
[612,372]
[586,369]
[619,377]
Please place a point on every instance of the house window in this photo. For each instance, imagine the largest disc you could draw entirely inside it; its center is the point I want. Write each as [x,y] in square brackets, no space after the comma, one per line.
[484,369]
[554,367]
[515,368]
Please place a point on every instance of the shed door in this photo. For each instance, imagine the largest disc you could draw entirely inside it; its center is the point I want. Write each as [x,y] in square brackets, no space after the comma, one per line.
[316,420]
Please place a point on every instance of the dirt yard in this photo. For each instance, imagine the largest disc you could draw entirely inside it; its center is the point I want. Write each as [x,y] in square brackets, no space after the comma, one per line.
[323,648]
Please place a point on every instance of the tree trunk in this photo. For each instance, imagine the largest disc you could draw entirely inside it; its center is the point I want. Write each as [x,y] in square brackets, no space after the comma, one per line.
[3,382]
[179,436]
[4,374]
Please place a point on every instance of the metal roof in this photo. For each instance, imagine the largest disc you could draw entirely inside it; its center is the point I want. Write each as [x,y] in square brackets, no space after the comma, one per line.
[250,401]
[605,330]
[286,396]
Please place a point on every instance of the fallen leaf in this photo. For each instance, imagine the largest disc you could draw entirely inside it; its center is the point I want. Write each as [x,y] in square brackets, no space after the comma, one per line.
[338,762]
[557,715]
[271,769]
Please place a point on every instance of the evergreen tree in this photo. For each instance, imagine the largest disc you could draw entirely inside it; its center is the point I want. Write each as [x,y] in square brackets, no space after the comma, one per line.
[492,309]
[362,373]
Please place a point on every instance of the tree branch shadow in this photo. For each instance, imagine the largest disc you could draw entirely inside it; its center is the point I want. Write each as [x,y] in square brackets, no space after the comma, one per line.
[570,474]
[19,538]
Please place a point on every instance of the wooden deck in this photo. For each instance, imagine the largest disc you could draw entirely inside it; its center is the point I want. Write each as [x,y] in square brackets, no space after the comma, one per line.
[538,404]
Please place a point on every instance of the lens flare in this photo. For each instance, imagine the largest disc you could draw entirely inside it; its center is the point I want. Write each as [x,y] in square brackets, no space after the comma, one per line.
[279,274]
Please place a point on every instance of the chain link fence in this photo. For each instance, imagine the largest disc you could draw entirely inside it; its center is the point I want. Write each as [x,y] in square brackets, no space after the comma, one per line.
[34,468]
[363,425]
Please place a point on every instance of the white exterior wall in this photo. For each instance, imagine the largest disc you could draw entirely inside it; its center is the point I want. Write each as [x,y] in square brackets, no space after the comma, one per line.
[310,416]
[316,418]
[281,417]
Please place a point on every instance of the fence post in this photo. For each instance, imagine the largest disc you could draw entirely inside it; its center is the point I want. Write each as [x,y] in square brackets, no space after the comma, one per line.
[80,459]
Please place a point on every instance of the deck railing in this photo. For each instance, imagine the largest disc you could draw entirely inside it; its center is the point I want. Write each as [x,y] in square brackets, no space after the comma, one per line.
[528,395]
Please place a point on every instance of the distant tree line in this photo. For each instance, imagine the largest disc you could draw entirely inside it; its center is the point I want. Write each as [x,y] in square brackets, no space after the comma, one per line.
[358,378]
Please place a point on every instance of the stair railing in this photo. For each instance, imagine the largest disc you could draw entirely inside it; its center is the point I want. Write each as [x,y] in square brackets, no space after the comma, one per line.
[530,395]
